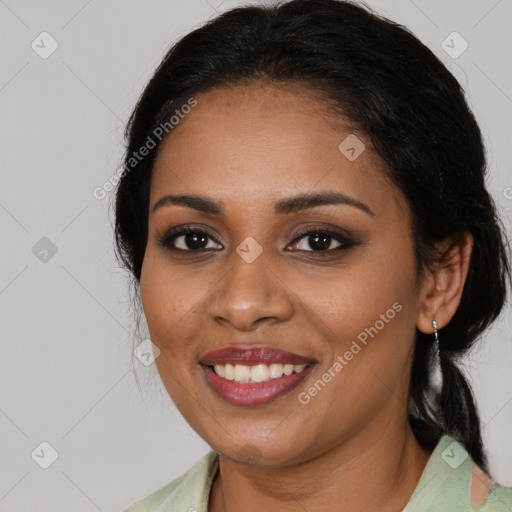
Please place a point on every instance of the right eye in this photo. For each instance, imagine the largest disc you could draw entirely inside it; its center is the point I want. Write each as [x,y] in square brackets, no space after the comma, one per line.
[186,239]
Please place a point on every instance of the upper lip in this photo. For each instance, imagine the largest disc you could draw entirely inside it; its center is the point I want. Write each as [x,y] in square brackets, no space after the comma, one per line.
[252,356]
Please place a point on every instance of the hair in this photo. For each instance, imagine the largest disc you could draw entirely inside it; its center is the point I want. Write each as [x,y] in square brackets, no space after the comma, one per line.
[393,89]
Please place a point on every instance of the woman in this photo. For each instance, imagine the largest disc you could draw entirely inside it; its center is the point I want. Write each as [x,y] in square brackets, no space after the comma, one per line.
[304,214]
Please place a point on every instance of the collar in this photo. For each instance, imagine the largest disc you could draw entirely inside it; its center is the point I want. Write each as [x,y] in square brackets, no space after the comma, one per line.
[445,481]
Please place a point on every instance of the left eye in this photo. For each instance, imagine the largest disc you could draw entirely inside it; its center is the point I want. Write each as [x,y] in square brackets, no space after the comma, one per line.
[321,241]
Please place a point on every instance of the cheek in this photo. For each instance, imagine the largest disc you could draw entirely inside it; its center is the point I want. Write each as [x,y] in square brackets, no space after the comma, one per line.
[165,291]
[370,312]
[168,301]
[356,299]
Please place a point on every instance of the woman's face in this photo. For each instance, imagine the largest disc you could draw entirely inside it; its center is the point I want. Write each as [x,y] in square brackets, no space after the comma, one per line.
[343,298]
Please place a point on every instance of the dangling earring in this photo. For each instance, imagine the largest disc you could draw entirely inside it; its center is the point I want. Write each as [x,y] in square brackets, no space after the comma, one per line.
[436,338]
[436,377]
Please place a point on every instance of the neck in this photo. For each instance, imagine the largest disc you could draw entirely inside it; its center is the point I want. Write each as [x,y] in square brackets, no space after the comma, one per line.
[375,469]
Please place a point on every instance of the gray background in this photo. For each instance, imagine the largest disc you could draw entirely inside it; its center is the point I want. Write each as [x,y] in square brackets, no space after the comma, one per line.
[66,376]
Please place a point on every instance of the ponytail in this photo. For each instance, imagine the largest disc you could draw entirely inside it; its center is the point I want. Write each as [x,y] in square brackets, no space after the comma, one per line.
[460,416]
[449,409]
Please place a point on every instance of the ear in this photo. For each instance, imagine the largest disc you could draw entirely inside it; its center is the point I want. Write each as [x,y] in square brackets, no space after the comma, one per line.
[444,283]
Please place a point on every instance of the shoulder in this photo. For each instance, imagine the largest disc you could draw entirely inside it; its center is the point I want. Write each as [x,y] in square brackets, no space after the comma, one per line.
[488,495]
[190,491]
[452,482]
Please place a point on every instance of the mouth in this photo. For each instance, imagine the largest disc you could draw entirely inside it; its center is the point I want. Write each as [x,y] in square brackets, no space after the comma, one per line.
[254,376]
[244,374]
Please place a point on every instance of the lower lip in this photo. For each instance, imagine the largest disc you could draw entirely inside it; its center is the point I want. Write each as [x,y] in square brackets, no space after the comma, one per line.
[254,393]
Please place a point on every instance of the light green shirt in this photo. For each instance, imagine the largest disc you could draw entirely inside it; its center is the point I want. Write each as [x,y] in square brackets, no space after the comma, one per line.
[444,486]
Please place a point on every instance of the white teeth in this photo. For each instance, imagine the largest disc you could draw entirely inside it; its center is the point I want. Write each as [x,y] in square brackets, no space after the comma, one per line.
[257,373]
[242,373]
[220,370]
[288,369]
[276,370]
[229,371]
[260,373]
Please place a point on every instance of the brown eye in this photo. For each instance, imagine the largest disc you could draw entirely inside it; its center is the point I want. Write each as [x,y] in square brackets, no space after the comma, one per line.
[186,239]
[322,241]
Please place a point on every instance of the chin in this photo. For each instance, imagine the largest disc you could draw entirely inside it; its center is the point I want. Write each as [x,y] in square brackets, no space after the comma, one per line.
[260,453]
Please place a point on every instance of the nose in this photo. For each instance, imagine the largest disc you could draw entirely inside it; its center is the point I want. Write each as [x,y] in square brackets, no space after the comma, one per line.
[250,294]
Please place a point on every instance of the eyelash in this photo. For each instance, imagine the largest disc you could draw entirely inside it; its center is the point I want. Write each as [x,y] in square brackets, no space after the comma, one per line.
[169,237]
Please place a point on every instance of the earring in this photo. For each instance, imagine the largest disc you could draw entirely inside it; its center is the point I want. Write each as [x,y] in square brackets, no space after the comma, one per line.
[436,377]
[436,338]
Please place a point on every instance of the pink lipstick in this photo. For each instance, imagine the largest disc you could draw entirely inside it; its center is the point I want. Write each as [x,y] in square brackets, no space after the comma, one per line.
[255,375]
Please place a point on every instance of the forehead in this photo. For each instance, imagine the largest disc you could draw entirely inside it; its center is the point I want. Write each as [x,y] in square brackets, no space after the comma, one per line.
[261,139]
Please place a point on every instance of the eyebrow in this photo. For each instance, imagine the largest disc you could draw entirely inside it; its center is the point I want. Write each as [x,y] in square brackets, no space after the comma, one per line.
[283,206]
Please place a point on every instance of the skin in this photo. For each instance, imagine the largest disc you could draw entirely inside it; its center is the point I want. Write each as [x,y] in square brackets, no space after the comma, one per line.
[247,147]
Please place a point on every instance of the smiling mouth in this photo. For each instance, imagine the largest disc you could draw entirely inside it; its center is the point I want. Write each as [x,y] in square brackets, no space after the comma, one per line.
[254,375]
[245,374]
[270,383]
